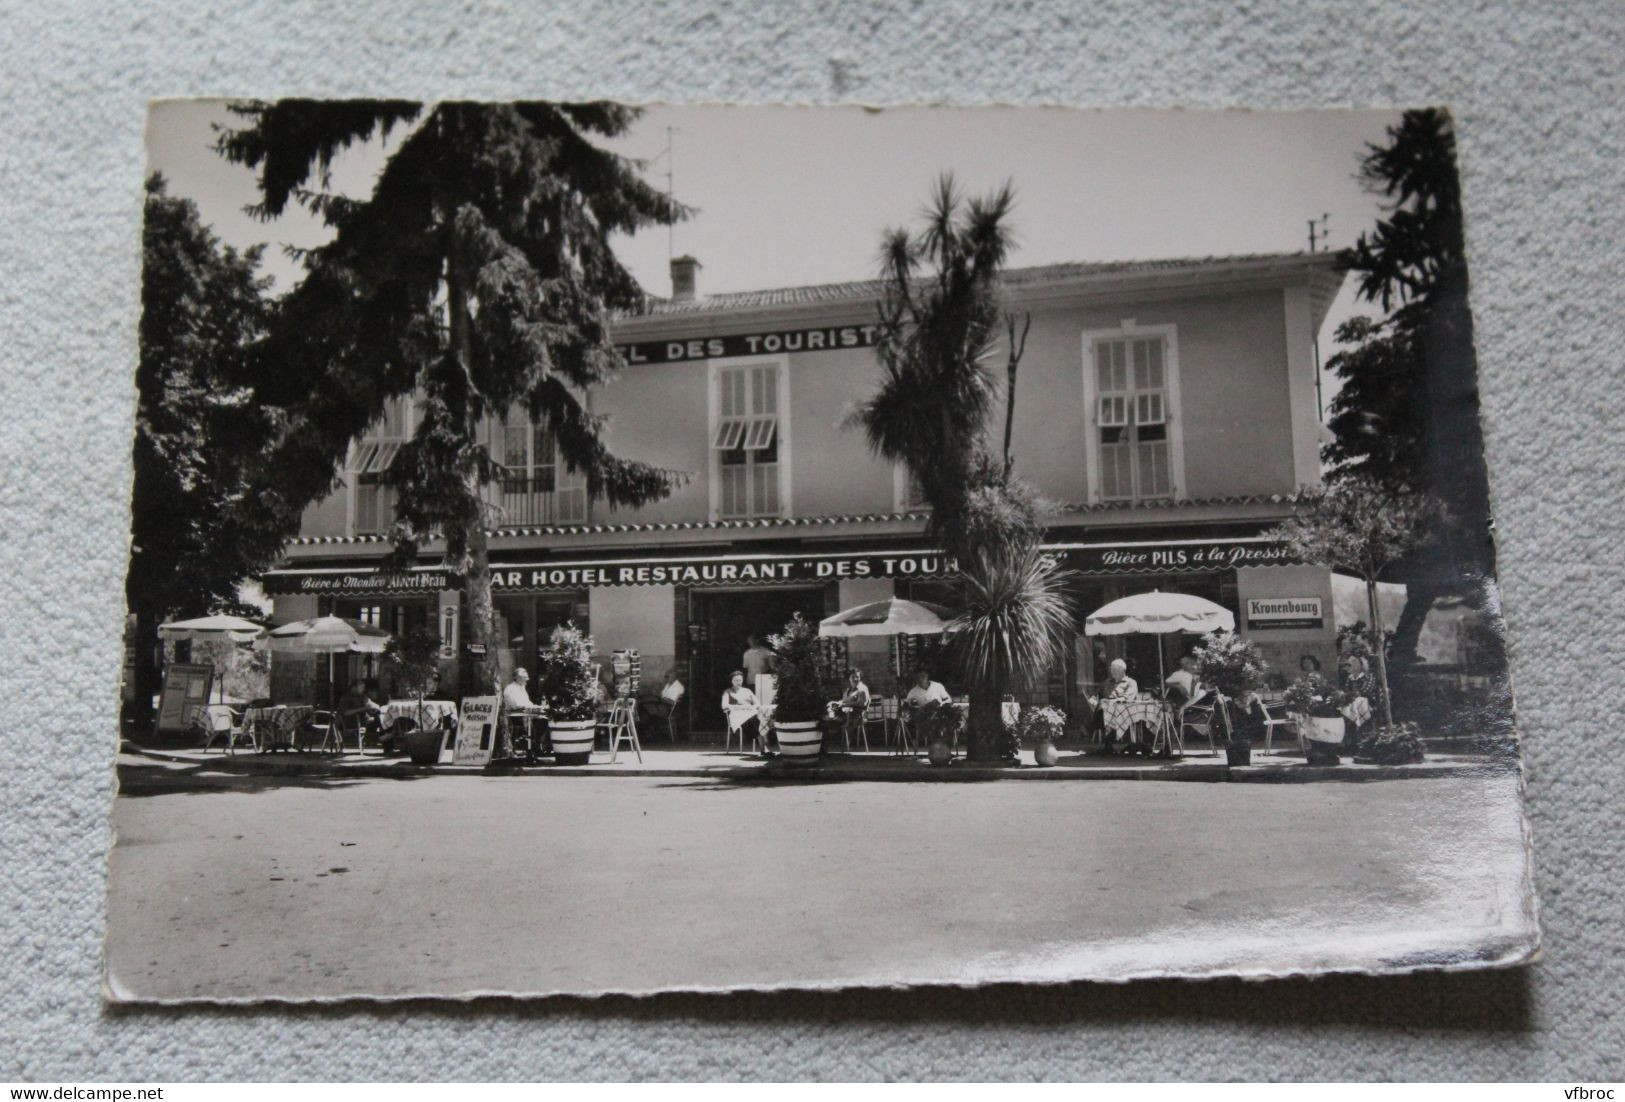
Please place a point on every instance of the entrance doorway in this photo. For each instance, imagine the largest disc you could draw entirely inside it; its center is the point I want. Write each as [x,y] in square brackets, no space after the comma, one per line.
[721,623]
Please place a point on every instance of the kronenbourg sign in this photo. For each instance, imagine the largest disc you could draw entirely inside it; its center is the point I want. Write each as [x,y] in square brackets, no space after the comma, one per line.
[476,731]
[1284,612]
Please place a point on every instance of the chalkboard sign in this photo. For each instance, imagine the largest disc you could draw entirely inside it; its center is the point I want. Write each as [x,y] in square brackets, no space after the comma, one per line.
[186,689]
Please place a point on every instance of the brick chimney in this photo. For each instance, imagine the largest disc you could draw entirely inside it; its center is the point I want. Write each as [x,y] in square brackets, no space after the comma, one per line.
[684,284]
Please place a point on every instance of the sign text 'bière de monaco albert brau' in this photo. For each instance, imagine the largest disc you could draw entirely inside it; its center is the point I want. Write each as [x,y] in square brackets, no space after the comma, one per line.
[832,338]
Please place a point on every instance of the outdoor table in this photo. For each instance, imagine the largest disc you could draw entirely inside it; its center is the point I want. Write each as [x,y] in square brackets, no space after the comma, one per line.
[1119,716]
[429,713]
[276,726]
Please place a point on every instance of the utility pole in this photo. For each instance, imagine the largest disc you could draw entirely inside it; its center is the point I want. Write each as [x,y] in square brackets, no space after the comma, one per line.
[1318,233]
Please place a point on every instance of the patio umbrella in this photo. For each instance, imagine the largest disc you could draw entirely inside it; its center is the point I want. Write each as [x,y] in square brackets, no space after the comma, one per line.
[212,629]
[328,635]
[893,616]
[1158,613]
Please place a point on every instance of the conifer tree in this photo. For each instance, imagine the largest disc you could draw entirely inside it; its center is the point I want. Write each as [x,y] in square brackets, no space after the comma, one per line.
[478,275]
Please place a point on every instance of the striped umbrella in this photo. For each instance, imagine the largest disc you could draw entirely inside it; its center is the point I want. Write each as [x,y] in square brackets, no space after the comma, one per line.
[893,616]
[328,635]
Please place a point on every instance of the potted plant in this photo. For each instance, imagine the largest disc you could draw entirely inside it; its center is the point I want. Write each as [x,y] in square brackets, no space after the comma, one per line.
[569,692]
[1320,705]
[1234,669]
[940,726]
[798,696]
[1041,727]
[413,661]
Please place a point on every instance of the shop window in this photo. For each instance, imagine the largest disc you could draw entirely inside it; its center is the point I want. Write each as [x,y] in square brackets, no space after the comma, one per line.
[1131,379]
[746,441]
[535,486]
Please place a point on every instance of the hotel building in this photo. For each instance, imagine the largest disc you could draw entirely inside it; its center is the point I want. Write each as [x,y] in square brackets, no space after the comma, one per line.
[1168,408]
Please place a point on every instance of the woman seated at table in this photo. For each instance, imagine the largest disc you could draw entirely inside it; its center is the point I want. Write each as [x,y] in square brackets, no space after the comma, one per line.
[1183,687]
[1119,686]
[854,704]
[739,705]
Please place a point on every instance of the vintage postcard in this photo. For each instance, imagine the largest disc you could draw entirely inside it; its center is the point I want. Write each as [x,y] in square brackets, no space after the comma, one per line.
[584,548]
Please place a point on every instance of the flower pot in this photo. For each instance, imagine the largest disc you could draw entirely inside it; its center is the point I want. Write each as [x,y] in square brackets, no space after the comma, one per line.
[1238,753]
[939,753]
[1044,753]
[423,745]
[572,740]
[799,741]
[1325,730]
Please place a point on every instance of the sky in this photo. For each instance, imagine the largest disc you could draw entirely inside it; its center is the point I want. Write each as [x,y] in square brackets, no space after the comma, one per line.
[786,196]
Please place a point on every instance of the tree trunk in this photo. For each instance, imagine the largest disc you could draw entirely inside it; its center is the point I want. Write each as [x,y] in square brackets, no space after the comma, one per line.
[1419,598]
[145,641]
[478,616]
[985,724]
[478,621]
[1379,647]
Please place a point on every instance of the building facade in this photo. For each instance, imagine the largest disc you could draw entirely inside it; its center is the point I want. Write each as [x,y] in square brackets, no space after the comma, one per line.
[1167,408]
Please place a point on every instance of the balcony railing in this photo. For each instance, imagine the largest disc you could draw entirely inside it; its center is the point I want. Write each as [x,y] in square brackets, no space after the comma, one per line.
[521,502]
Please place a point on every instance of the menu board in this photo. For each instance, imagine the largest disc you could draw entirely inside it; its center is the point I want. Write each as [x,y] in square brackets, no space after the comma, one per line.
[186,689]
[476,731]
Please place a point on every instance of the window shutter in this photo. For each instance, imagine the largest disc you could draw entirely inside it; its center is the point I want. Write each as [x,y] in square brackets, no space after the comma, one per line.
[1113,412]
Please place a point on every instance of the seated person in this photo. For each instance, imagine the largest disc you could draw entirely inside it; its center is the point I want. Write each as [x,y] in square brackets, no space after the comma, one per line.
[925,693]
[516,696]
[1183,685]
[663,706]
[1119,686]
[357,710]
[854,703]
[739,705]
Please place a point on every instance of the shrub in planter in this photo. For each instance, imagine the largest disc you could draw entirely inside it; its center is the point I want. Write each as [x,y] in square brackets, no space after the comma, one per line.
[1040,728]
[940,725]
[1230,664]
[1321,702]
[413,661]
[798,694]
[1396,745]
[569,692]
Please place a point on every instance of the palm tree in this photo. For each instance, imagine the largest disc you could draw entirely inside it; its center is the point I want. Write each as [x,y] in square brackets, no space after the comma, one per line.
[941,315]
[478,275]
[1013,630]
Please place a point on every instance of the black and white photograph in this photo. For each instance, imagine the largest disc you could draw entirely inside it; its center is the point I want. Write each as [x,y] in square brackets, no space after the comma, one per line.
[583,548]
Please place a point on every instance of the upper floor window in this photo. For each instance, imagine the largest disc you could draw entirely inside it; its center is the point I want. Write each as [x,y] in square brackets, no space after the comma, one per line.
[1130,389]
[535,486]
[747,440]
[373,504]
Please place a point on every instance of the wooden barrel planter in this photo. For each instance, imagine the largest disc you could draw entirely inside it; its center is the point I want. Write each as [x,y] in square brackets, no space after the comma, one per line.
[799,741]
[572,740]
[1325,730]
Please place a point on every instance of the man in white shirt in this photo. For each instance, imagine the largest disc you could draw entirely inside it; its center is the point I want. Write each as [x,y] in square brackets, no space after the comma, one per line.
[757,661]
[1184,679]
[926,693]
[515,696]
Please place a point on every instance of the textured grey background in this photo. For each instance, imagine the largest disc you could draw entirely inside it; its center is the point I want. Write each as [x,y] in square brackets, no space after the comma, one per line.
[1538,98]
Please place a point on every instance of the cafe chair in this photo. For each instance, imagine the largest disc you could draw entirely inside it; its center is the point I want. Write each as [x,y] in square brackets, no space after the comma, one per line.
[873,714]
[1275,716]
[737,718]
[1198,718]
[221,721]
[350,723]
[671,714]
[521,740]
[890,717]
[623,729]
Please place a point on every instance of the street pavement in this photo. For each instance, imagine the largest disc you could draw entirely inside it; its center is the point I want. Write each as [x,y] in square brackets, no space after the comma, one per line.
[244,887]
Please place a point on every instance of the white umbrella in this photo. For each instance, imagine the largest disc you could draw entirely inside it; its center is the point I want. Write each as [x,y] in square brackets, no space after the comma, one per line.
[1158,613]
[893,616]
[328,635]
[212,629]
